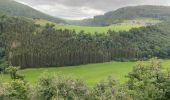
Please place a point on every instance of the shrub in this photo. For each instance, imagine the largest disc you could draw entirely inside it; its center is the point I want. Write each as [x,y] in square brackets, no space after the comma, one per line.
[12,70]
[71,89]
[2,91]
[105,90]
[60,87]
[46,87]
[146,81]
[17,90]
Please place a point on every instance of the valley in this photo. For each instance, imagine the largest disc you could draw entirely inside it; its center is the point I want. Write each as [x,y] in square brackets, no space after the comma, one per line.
[126,25]
[121,54]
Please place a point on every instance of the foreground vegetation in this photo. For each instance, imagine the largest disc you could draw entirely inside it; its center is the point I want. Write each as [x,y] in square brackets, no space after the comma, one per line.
[146,81]
[90,74]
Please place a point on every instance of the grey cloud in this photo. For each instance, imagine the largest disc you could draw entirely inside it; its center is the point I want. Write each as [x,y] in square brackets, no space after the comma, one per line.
[73,9]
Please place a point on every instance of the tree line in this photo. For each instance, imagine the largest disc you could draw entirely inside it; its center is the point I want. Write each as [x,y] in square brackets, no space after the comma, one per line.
[26,44]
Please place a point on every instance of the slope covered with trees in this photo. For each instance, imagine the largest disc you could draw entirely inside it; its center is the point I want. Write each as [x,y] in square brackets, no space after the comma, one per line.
[13,8]
[109,18]
[27,44]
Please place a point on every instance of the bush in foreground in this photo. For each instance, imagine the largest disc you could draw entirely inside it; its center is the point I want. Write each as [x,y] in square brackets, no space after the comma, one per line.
[15,90]
[59,87]
[145,82]
[148,82]
[2,91]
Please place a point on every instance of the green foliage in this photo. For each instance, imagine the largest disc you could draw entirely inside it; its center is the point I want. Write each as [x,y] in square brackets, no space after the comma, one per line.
[50,87]
[166,86]
[17,90]
[3,65]
[105,90]
[60,87]
[2,91]
[47,87]
[146,82]
[13,72]
[29,45]
[3,62]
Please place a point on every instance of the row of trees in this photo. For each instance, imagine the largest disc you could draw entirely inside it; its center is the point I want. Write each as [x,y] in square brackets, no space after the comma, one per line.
[28,45]
[145,82]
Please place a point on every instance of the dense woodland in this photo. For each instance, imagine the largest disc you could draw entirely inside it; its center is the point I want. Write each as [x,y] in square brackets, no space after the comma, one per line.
[26,44]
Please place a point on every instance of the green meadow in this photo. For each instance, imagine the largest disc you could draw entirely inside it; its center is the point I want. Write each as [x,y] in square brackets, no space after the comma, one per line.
[87,29]
[90,29]
[90,73]
[124,26]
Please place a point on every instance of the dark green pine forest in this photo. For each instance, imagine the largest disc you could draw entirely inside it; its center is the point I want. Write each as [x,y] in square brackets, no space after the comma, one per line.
[26,44]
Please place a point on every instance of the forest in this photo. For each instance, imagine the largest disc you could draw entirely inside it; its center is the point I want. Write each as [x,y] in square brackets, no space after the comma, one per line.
[26,44]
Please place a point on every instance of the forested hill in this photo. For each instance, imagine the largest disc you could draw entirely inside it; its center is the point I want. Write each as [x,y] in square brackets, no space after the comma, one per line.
[13,8]
[28,45]
[147,11]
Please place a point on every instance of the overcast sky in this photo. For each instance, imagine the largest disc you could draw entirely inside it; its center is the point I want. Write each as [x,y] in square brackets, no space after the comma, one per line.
[80,9]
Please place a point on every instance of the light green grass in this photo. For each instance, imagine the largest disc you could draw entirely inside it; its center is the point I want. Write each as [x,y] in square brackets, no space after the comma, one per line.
[124,26]
[90,74]
[143,20]
[88,29]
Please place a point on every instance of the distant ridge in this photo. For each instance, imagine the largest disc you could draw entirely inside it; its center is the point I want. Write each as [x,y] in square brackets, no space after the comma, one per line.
[13,8]
[131,12]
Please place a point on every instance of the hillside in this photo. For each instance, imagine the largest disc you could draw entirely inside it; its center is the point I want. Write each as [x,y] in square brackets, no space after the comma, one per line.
[13,8]
[126,13]
[125,25]
[46,46]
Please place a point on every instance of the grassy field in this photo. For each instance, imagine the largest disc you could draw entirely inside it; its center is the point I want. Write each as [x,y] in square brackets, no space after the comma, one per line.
[124,26]
[116,28]
[90,74]
[142,21]
[88,29]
